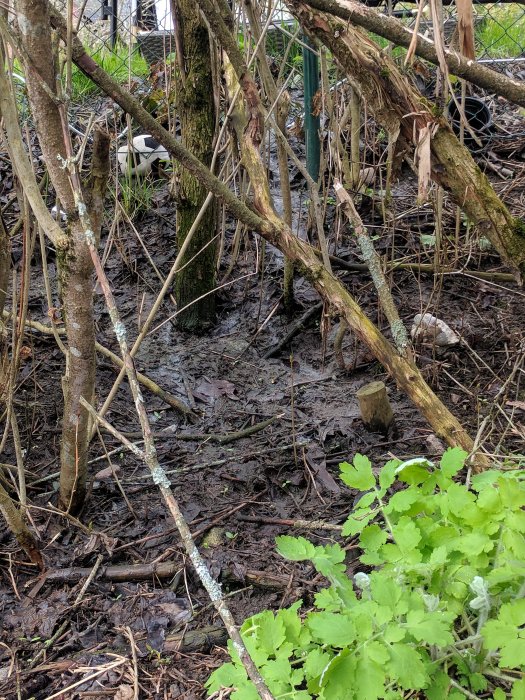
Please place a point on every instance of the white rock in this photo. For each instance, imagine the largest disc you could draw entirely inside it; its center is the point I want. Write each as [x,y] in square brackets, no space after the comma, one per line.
[429,329]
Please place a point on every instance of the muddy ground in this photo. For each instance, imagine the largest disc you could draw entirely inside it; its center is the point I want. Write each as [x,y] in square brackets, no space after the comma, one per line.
[65,641]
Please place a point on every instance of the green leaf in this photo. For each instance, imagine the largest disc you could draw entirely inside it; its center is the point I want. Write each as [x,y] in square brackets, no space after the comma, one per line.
[512,496]
[403,500]
[295,548]
[439,687]
[333,553]
[330,628]
[339,678]
[473,543]
[377,652]
[358,475]
[496,634]
[516,521]
[515,542]
[372,537]
[478,682]
[366,500]
[394,633]
[229,676]
[291,621]
[452,461]
[371,678]
[372,559]
[315,663]
[385,591]
[518,690]
[327,599]
[512,654]
[498,694]
[406,534]
[513,613]
[458,499]
[407,667]
[432,628]
[387,475]
[271,633]
[414,472]
[277,674]
[354,525]
[489,500]
[438,556]
[299,695]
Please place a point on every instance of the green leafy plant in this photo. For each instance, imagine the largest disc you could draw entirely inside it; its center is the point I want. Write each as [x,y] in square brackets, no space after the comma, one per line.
[438,610]
[119,62]
[137,193]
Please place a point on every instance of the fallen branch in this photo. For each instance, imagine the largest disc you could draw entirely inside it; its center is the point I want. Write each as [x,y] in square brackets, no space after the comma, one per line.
[373,262]
[287,522]
[200,639]
[427,268]
[296,328]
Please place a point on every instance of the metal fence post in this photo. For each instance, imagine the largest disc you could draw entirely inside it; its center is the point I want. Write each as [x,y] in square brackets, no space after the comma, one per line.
[110,11]
[311,123]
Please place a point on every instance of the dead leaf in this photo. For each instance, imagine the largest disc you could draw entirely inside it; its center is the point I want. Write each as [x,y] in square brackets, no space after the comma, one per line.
[437,26]
[211,389]
[516,404]
[466,28]
[413,42]
[316,460]
[124,692]
[435,444]
[424,161]
[106,473]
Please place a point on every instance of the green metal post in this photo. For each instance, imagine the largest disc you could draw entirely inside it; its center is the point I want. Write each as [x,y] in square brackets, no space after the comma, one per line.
[311,123]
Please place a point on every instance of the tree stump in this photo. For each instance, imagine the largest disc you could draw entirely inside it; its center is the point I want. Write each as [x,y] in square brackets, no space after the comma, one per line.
[375,408]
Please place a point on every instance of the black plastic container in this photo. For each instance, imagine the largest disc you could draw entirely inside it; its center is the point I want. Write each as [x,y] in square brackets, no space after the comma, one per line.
[479,120]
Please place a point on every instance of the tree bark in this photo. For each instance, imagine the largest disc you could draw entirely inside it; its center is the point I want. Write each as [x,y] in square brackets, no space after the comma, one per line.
[74,262]
[19,528]
[404,113]
[375,407]
[196,109]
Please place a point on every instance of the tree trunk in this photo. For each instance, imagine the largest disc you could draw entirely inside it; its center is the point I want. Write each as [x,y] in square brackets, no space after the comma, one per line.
[74,261]
[196,110]
[19,528]
[400,109]
[5,260]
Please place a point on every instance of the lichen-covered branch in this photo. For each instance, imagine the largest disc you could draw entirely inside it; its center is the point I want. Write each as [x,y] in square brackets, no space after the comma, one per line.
[373,262]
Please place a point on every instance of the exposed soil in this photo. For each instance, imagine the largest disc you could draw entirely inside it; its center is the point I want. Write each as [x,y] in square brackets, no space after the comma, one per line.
[229,491]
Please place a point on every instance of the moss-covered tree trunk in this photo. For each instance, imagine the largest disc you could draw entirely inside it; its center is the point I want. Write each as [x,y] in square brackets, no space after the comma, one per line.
[196,110]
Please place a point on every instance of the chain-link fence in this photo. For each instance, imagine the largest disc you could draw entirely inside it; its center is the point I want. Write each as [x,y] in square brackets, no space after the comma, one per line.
[127,36]
[499,29]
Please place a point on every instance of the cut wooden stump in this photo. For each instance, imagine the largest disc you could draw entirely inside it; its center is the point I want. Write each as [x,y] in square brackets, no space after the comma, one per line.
[375,408]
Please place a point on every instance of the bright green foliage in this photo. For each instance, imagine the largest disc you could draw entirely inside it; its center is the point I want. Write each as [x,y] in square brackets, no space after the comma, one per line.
[442,610]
